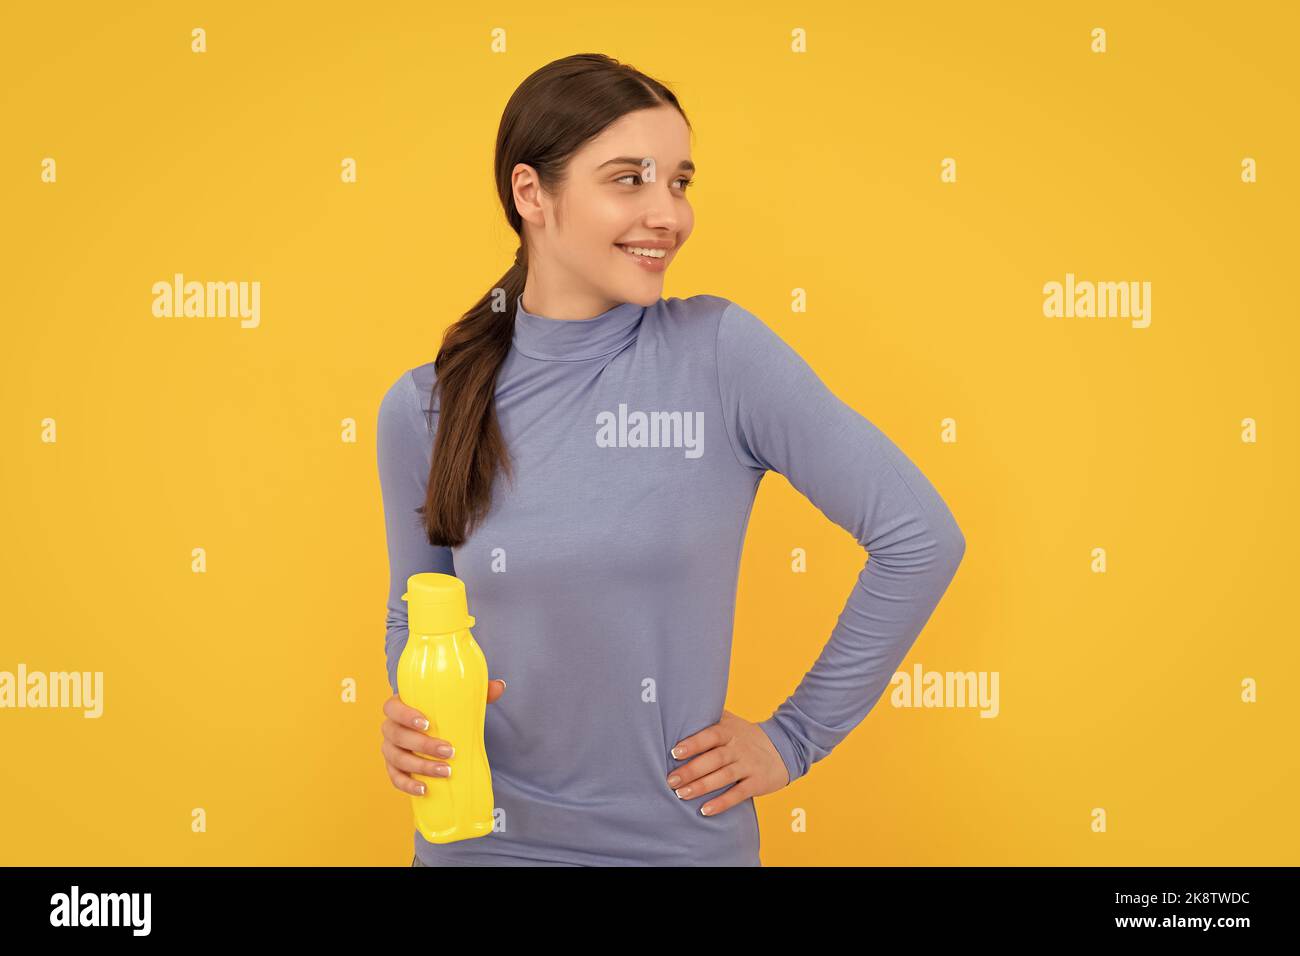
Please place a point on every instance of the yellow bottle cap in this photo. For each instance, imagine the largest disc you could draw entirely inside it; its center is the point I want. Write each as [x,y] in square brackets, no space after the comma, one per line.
[436,604]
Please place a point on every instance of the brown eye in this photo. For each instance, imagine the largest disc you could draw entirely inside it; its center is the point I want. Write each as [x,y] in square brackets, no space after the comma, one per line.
[687,181]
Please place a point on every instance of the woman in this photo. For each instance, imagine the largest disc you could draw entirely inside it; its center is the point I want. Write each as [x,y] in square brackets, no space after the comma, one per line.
[584,454]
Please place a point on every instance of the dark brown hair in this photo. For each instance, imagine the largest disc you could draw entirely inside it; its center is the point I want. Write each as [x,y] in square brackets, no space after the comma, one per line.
[552,114]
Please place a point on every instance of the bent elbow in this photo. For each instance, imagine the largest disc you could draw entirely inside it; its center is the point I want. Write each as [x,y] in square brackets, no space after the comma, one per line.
[954,545]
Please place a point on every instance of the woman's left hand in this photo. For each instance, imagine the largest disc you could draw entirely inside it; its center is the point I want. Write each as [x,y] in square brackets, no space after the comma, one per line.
[732,751]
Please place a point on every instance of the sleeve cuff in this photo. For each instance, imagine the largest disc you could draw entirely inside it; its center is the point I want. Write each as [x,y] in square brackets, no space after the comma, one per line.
[785,746]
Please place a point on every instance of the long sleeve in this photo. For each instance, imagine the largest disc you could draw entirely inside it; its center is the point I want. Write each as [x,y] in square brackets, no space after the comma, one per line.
[405,447]
[781,417]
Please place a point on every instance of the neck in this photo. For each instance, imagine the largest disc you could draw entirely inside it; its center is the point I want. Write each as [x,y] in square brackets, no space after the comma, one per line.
[575,339]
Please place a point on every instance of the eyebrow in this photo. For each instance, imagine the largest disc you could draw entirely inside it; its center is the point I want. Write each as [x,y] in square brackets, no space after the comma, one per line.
[685,164]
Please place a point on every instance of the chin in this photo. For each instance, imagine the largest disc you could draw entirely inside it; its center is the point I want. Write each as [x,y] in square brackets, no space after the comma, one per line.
[647,294]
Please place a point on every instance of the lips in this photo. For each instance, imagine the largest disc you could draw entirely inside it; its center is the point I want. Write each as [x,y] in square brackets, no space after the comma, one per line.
[649,263]
[663,244]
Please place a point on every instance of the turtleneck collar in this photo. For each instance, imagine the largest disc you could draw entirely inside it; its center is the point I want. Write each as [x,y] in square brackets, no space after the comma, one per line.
[572,340]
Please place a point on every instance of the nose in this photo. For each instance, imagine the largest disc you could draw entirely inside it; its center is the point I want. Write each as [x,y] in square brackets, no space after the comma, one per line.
[662,209]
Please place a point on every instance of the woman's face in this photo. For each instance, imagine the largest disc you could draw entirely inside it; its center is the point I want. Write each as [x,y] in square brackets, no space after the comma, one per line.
[626,188]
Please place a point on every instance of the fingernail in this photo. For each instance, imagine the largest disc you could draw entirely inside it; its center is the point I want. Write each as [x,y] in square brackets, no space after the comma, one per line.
[683,793]
[422,723]
[445,751]
[674,780]
[679,755]
[704,811]
[421,789]
[503,683]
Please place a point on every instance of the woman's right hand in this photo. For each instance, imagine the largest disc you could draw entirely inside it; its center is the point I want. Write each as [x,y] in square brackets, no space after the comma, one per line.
[408,747]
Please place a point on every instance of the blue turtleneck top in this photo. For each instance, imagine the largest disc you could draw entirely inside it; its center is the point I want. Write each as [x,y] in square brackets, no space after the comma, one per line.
[603,579]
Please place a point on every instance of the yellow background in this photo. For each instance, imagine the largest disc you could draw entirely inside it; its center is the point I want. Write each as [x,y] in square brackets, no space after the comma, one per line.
[817,171]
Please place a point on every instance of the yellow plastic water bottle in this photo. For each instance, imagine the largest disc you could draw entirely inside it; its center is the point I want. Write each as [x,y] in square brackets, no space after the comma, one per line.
[443,674]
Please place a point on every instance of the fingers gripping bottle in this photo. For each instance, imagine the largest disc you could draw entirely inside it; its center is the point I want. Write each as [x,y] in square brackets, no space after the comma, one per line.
[443,674]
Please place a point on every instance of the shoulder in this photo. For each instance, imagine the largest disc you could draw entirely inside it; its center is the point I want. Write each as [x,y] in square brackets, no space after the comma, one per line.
[739,332]
[711,312]
[719,327]
[696,314]
[411,397]
[424,377]
[697,320]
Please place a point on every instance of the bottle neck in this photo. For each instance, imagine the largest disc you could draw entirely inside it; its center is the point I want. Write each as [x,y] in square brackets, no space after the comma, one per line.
[437,621]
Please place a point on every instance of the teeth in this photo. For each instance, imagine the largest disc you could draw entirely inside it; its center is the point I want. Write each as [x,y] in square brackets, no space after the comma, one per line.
[640,251]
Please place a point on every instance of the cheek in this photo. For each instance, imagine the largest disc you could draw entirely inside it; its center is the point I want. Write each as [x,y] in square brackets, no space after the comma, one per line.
[611,221]
[686,222]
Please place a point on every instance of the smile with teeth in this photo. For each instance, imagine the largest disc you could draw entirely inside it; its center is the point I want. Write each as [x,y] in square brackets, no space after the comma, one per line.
[642,251]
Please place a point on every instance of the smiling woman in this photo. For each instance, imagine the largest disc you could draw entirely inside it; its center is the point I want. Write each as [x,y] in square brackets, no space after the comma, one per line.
[646,217]
[603,572]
